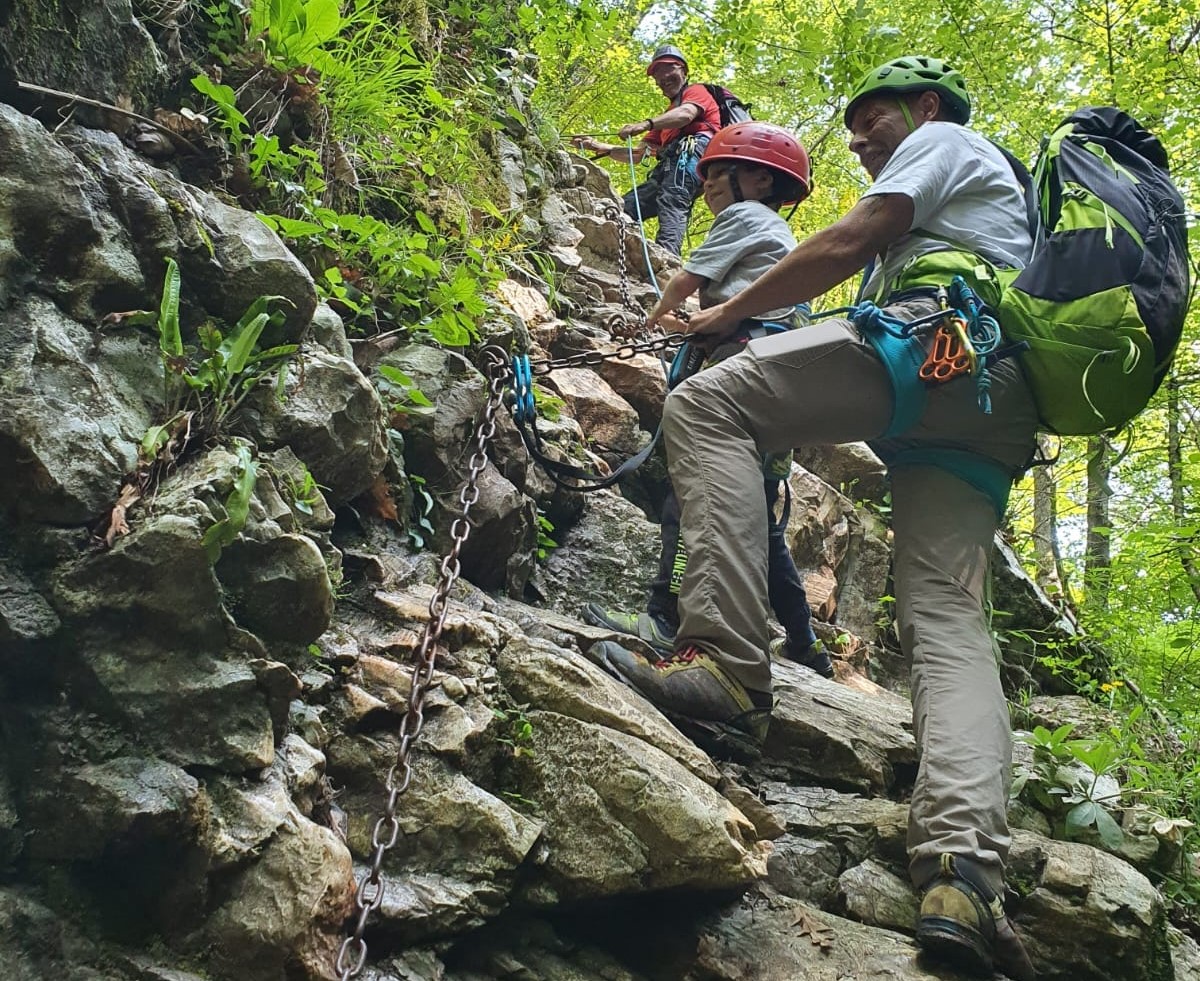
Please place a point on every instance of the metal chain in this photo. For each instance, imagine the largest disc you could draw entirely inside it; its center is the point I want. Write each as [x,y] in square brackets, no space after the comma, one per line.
[623,326]
[368,897]
[587,359]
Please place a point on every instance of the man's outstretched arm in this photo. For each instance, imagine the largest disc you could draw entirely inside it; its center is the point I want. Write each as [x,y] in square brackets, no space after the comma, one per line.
[818,264]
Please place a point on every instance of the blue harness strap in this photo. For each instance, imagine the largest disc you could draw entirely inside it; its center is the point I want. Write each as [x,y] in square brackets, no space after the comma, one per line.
[902,354]
[981,472]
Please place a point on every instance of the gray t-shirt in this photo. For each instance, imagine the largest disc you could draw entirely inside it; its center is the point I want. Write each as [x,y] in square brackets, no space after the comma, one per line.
[963,192]
[745,240]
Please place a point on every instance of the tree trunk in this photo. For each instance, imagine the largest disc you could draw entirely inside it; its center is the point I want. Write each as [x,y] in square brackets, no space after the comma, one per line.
[1048,562]
[1098,554]
[1175,470]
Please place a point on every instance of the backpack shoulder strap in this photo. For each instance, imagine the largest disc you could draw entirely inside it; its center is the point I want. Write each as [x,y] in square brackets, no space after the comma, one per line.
[1021,172]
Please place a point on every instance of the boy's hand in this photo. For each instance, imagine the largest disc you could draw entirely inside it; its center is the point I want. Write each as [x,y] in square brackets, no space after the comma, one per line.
[707,327]
[673,324]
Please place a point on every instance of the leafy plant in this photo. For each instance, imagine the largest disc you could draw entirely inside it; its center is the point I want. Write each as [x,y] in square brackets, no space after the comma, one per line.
[1075,779]
[405,396]
[420,528]
[295,32]
[544,542]
[304,493]
[237,507]
[518,735]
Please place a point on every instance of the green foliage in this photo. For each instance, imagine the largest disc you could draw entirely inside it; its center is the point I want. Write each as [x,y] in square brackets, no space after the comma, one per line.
[237,507]
[386,200]
[217,378]
[420,528]
[403,394]
[547,403]
[305,493]
[545,544]
[1075,780]
[516,730]
[295,32]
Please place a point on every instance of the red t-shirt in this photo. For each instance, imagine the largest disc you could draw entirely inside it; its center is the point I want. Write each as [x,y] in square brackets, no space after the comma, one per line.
[709,120]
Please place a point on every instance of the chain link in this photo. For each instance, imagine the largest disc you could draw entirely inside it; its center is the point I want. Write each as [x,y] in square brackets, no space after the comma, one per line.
[623,325]
[368,897]
[587,359]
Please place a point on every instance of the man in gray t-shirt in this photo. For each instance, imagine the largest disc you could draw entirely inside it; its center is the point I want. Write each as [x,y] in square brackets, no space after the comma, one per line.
[943,198]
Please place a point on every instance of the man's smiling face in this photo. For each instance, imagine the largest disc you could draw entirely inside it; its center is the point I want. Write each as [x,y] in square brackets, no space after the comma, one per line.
[669,76]
[877,128]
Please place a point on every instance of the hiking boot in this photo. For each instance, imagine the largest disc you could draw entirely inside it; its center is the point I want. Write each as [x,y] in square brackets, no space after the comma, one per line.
[689,686]
[814,657]
[646,626]
[962,923]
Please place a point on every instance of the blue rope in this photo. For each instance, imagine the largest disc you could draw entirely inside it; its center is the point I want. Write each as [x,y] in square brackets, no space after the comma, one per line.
[524,407]
[637,206]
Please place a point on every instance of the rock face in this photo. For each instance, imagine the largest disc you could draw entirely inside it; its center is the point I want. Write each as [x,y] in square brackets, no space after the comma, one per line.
[202,683]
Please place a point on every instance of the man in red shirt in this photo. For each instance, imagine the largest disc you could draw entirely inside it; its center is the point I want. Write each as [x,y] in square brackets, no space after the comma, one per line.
[677,137]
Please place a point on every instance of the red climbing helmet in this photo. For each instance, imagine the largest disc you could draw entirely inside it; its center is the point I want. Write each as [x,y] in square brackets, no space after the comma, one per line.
[668,52]
[767,145]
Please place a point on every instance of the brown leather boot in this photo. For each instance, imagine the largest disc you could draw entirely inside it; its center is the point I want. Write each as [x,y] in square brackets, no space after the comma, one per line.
[962,922]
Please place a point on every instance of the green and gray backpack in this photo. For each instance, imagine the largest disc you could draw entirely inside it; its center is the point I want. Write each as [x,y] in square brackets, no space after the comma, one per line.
[1103,300]
[1101,304]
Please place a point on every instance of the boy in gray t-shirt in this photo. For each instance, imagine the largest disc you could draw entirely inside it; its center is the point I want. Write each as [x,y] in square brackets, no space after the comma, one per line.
[749,171]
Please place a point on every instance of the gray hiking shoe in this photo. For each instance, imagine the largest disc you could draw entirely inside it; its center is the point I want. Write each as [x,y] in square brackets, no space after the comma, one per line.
[644,626]
[962,923]
[690,686]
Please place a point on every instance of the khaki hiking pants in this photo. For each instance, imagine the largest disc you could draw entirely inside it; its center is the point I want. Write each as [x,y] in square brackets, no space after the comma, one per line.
[824,384]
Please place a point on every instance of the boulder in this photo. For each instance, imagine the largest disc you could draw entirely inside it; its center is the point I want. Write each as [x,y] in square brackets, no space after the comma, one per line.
[622,816]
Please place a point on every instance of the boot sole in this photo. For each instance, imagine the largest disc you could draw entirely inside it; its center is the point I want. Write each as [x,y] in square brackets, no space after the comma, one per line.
[949,942]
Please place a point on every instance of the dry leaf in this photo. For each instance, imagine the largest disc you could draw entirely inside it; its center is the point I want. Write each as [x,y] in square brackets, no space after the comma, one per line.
[382,503]
[819,933]
[117,525]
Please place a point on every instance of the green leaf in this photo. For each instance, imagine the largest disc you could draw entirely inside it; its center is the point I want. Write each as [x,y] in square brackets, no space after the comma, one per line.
[1081,817]
[169,337]
[237,508]
[1110,832]
[154,440]
[241,345]
[291,227]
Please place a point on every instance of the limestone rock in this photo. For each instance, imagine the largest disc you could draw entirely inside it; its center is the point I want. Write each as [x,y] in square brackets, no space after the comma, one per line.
[852,468]
[1089,914]
[25,616]
[97,806]
[123,64]
[69,422]
[621,816]
[278,589]
[285,911]
[460,846]
[331,419]
[875,895]
[559,680]
[839,736]
[609,421]
[608,557]
[789,940]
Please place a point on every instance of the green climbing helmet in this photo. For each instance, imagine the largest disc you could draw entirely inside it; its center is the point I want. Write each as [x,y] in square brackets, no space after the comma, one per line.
[915,73]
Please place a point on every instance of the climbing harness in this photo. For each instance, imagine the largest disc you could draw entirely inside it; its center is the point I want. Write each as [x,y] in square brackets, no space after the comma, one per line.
[966,341]
[368,897]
